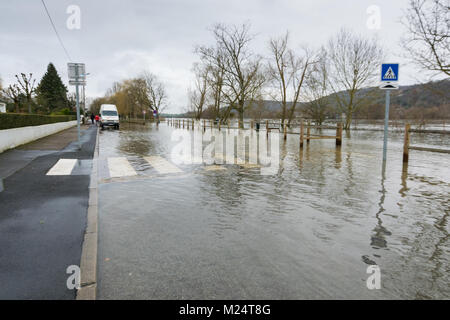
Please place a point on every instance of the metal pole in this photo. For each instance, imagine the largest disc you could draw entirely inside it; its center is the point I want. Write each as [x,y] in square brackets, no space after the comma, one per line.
[78,117]
[78,106]
[84,99]
[386,124]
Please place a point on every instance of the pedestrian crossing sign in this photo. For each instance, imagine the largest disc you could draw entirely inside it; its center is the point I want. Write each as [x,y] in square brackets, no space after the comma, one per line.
[389,72]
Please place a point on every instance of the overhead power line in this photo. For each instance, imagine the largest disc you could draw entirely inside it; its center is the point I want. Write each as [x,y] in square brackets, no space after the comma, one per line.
[56,31]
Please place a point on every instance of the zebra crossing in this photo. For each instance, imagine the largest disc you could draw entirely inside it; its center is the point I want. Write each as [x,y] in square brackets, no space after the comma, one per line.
[74,167]
[119,167]
[63,167]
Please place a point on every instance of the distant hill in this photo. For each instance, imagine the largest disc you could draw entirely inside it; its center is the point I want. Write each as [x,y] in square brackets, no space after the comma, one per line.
[432,94]
[430,100]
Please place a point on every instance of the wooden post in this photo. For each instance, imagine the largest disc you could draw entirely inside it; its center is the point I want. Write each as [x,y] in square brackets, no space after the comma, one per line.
[192,123]
[308,131]
[301,134]
[251,124]
[339,134]
[204,125]
[239,123]
[285,131]
[406,143]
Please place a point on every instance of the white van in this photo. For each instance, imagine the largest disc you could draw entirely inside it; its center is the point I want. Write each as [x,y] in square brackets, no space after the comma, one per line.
[109,116]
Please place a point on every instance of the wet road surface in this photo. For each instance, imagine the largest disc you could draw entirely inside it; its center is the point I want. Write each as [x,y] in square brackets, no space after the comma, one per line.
[43,217]
[307,232]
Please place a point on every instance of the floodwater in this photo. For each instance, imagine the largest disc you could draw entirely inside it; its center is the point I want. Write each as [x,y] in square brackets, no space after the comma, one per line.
[309,231]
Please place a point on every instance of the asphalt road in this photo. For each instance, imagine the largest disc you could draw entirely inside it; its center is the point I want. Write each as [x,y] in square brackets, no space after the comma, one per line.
[42,218]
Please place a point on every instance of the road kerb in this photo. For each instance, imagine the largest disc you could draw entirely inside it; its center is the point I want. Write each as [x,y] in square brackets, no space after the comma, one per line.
[88,263]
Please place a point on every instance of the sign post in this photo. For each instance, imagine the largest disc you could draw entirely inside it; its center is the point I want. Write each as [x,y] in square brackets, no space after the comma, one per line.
[77,77]
[389,79]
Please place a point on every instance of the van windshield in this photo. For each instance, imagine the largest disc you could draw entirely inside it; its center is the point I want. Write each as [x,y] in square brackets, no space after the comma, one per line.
[109,113]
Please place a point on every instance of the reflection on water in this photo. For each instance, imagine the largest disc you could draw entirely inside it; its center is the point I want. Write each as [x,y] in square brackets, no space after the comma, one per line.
[325,215]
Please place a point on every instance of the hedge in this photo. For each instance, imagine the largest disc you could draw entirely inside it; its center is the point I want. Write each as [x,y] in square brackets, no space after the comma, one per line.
[17,120]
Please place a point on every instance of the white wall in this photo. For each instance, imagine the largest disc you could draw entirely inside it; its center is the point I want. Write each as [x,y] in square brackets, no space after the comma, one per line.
[11,138]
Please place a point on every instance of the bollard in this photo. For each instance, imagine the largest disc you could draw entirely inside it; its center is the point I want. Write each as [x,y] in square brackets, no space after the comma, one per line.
[211,124]
[192,124]
[285,132]
[301,134]
[339,134]
[219,124]
[308,132]
[228,123]
[239,123]
[251,124]
[183,123]
[267,128]
[406,143]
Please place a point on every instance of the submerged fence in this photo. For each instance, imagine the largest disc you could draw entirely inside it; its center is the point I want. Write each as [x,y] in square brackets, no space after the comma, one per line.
[270,125]
[407,146]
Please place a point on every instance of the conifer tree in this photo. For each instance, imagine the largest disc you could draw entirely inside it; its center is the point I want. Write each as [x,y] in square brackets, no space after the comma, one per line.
[51,93]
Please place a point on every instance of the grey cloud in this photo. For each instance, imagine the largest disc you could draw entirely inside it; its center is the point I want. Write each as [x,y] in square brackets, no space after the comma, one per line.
[117,39]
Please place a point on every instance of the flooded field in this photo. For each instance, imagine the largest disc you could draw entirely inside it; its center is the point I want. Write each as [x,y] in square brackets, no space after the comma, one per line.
[309,231]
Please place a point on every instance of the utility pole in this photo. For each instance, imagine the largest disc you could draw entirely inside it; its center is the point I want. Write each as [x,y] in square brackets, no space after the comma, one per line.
[77,77]
[389,78]
[386,124]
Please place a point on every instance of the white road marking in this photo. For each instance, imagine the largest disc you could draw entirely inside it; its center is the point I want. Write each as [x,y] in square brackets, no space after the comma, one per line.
[63,167]
[214,168]
[120,167]
[162,165]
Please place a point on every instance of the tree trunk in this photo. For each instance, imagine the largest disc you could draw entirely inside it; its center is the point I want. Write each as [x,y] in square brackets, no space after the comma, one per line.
[348,120]
[241,117]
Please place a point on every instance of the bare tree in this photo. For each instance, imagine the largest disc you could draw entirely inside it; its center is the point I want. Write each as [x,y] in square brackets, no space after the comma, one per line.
[428,36]
[215,83]
[27,86]
[156,93]
[288,71]
[13,93]
[242,78]
[316,90]
[279,72]
[354,61]
[198,95]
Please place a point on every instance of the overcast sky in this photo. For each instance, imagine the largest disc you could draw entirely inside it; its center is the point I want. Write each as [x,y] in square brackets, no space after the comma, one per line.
[118,39]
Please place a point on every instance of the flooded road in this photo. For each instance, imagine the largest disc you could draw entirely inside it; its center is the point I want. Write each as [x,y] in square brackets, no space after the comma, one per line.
[173,230]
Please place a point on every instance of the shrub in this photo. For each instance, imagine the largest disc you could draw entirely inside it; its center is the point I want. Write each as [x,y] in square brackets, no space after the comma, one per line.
[17,120]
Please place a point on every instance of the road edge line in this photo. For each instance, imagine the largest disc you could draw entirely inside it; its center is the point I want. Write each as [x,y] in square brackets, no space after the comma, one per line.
[88,263]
